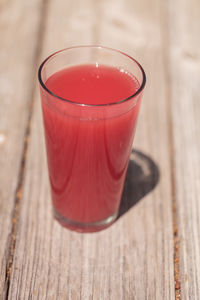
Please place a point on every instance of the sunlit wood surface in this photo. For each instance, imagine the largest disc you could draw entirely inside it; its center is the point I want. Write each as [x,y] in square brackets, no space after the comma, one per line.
[153,250]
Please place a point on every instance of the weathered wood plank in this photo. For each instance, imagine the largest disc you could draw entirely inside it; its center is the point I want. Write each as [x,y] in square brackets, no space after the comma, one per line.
[19,22]
[133,259]
[184,71]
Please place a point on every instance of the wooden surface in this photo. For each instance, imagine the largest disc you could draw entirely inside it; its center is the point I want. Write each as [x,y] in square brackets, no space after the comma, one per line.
[153,250]
[19,45]
[184,74]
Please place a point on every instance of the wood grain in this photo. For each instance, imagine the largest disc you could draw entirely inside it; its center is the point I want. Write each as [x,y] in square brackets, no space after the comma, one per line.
[133,259]
[184,61]
[19,34]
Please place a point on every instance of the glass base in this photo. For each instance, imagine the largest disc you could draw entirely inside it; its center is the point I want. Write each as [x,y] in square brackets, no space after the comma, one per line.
[85,227]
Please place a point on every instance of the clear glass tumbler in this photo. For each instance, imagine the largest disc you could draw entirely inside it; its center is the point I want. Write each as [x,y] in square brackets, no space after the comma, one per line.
[88,145]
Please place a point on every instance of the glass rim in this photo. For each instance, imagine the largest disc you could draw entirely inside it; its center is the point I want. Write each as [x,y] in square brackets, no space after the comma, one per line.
[92,105]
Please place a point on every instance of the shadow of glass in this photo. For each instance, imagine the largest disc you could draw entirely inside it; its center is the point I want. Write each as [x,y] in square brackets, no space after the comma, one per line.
[142,177]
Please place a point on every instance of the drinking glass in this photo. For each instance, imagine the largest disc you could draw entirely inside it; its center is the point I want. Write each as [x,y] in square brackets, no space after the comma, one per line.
[88,145]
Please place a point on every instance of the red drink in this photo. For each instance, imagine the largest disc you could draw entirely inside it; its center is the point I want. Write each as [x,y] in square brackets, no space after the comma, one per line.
[88,146]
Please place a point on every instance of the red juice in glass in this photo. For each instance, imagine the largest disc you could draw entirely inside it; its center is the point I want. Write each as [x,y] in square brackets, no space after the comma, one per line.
[89,112]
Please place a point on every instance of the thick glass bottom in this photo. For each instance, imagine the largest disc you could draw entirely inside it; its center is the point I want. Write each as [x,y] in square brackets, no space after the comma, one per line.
[85,227]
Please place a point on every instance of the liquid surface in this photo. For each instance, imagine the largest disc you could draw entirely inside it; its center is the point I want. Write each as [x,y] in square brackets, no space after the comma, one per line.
[88,158]
[93,84]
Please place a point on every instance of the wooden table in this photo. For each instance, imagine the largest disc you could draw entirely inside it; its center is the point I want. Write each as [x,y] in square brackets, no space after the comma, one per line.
[153,250]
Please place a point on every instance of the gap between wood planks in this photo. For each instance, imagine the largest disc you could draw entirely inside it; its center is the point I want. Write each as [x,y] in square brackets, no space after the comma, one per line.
[19,189]
[166,59]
